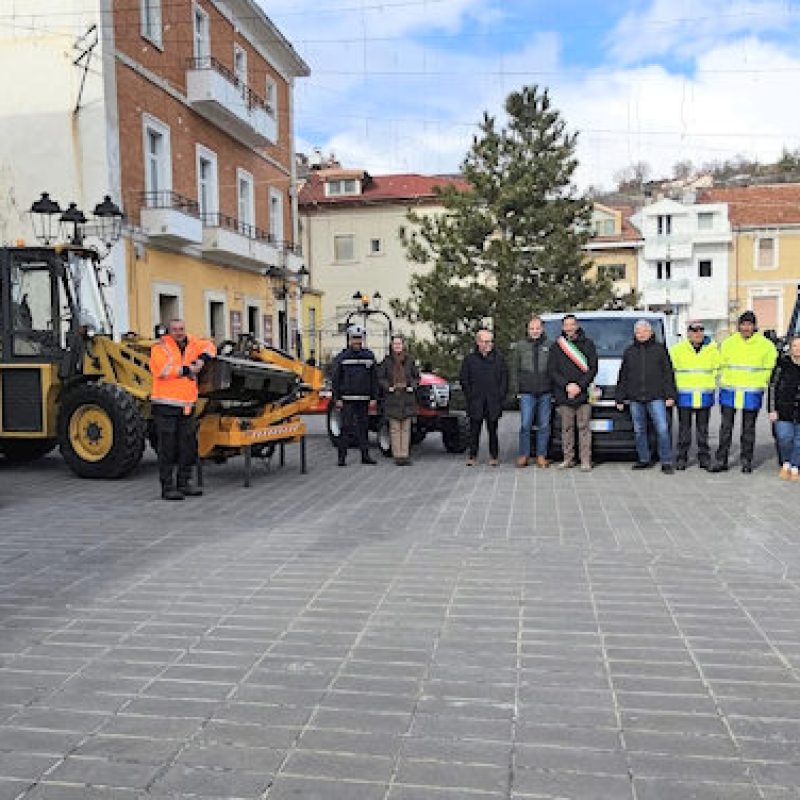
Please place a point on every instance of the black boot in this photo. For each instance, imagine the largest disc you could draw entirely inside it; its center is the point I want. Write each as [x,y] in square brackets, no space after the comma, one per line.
[169,492]
[719,466]
[747,466]
[366,458]
[187,490]
[343,458]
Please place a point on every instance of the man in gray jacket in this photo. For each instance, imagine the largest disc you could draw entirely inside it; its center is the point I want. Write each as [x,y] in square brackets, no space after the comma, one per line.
[531,383]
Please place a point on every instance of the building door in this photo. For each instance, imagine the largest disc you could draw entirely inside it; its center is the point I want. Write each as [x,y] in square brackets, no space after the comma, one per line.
[168,308]
[283,332]
[766,311]
[216,318]
[253,316]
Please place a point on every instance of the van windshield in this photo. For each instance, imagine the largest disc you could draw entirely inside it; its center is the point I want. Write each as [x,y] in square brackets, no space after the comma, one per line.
[611,335]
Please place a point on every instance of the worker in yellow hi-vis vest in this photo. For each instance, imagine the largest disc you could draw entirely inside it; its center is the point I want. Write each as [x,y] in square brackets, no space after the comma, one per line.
[695,360]
[746,361]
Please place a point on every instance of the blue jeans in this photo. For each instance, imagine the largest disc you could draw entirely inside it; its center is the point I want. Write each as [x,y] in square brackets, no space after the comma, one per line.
[657,410]
[788,436]
[534,406]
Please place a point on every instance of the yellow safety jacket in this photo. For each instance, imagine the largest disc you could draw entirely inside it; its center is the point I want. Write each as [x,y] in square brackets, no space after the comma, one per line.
[746,367]
[695,373]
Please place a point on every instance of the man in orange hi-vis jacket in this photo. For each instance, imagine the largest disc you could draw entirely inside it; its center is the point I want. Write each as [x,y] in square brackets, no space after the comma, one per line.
[175,361]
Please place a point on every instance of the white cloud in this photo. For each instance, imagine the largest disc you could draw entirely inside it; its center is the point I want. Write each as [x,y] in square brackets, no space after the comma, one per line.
[684,28]
[397,102]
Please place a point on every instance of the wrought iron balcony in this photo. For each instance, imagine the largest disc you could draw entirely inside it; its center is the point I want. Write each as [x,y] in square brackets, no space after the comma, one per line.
[220,96]
[171,217]
[239,243]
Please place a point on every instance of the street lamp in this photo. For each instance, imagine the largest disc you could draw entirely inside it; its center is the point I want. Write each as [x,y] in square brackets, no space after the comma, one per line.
[75,218]
[109,221]
[281,292]
[43,218]
[73,225]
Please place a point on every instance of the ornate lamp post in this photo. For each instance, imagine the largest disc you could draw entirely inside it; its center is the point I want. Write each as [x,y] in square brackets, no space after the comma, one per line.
[43,218]
[109,221]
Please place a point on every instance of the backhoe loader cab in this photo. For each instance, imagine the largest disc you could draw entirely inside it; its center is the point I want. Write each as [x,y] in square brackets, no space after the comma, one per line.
[52,387]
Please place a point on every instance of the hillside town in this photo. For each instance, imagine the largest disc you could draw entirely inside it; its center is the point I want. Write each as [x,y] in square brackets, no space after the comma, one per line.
[322,481]
[189,129]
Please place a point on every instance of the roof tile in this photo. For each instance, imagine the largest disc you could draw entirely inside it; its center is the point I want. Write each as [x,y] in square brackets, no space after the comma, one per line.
[386,188]
[770,204]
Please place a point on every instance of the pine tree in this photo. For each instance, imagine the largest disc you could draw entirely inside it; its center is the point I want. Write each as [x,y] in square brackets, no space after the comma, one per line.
[509,246]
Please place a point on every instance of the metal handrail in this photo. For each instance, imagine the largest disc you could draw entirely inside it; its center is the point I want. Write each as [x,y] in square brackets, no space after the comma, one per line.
[218,220]
[170,199]
[252,100]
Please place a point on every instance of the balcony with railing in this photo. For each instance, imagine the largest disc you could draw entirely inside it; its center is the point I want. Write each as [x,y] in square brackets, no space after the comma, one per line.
[667,291]
[171,218]
[231,241]
[668,247]
[220,96]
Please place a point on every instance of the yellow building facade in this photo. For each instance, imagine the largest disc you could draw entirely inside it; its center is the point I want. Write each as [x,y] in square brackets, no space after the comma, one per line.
[764,265]
[613,249]
[765,275]
[216,301]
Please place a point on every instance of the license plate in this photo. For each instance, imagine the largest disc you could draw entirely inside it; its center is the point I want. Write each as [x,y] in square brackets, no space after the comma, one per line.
[602,425]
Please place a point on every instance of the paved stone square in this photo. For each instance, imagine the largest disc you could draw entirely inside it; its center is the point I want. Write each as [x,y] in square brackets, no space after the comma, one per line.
[378,633]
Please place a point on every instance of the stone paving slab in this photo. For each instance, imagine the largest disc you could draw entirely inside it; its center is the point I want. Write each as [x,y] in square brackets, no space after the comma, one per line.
[430,633]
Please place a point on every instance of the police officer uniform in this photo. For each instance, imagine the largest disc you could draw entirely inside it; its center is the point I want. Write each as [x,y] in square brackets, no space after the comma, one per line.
[354,385]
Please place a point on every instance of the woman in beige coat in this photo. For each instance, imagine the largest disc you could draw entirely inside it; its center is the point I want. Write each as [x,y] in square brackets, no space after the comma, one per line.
[398,379]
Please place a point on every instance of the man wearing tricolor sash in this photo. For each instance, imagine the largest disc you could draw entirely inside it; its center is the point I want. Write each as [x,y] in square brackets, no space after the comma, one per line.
[695,360]
[747,359]
[572,366]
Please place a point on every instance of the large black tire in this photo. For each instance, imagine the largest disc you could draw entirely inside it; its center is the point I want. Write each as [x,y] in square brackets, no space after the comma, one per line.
[334,423]
[100,431]
[22,451]
[455,434]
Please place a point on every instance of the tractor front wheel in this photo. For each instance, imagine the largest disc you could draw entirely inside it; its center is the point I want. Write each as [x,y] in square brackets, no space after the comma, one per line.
[100,431]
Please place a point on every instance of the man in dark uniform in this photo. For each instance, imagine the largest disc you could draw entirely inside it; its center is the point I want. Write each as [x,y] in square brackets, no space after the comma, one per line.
[354,388]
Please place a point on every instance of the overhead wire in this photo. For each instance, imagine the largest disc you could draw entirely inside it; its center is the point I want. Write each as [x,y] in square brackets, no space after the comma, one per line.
[406,120]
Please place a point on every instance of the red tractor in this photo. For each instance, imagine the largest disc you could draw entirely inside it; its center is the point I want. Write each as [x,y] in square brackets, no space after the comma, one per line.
[440,404]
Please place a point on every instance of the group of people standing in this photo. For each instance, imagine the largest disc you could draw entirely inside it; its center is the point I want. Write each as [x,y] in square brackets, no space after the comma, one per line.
[542,373]
[651,381]
[356,380]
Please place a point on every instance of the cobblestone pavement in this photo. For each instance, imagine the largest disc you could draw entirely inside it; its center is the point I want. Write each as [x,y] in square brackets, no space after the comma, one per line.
[432,633]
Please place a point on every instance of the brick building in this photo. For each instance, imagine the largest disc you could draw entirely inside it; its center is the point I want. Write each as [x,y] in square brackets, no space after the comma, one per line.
[183,112]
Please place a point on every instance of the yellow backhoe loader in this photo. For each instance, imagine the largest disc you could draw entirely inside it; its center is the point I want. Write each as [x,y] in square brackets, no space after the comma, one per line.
[65,381]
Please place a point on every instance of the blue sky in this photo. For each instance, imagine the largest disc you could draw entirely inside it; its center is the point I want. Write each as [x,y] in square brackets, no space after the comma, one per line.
[399,85]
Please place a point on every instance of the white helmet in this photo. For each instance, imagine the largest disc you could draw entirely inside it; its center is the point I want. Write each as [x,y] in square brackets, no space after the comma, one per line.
[356,330]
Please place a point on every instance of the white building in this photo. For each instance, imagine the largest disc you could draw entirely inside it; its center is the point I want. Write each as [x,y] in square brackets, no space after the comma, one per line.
[182,112]
[683,266]
[351,222]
